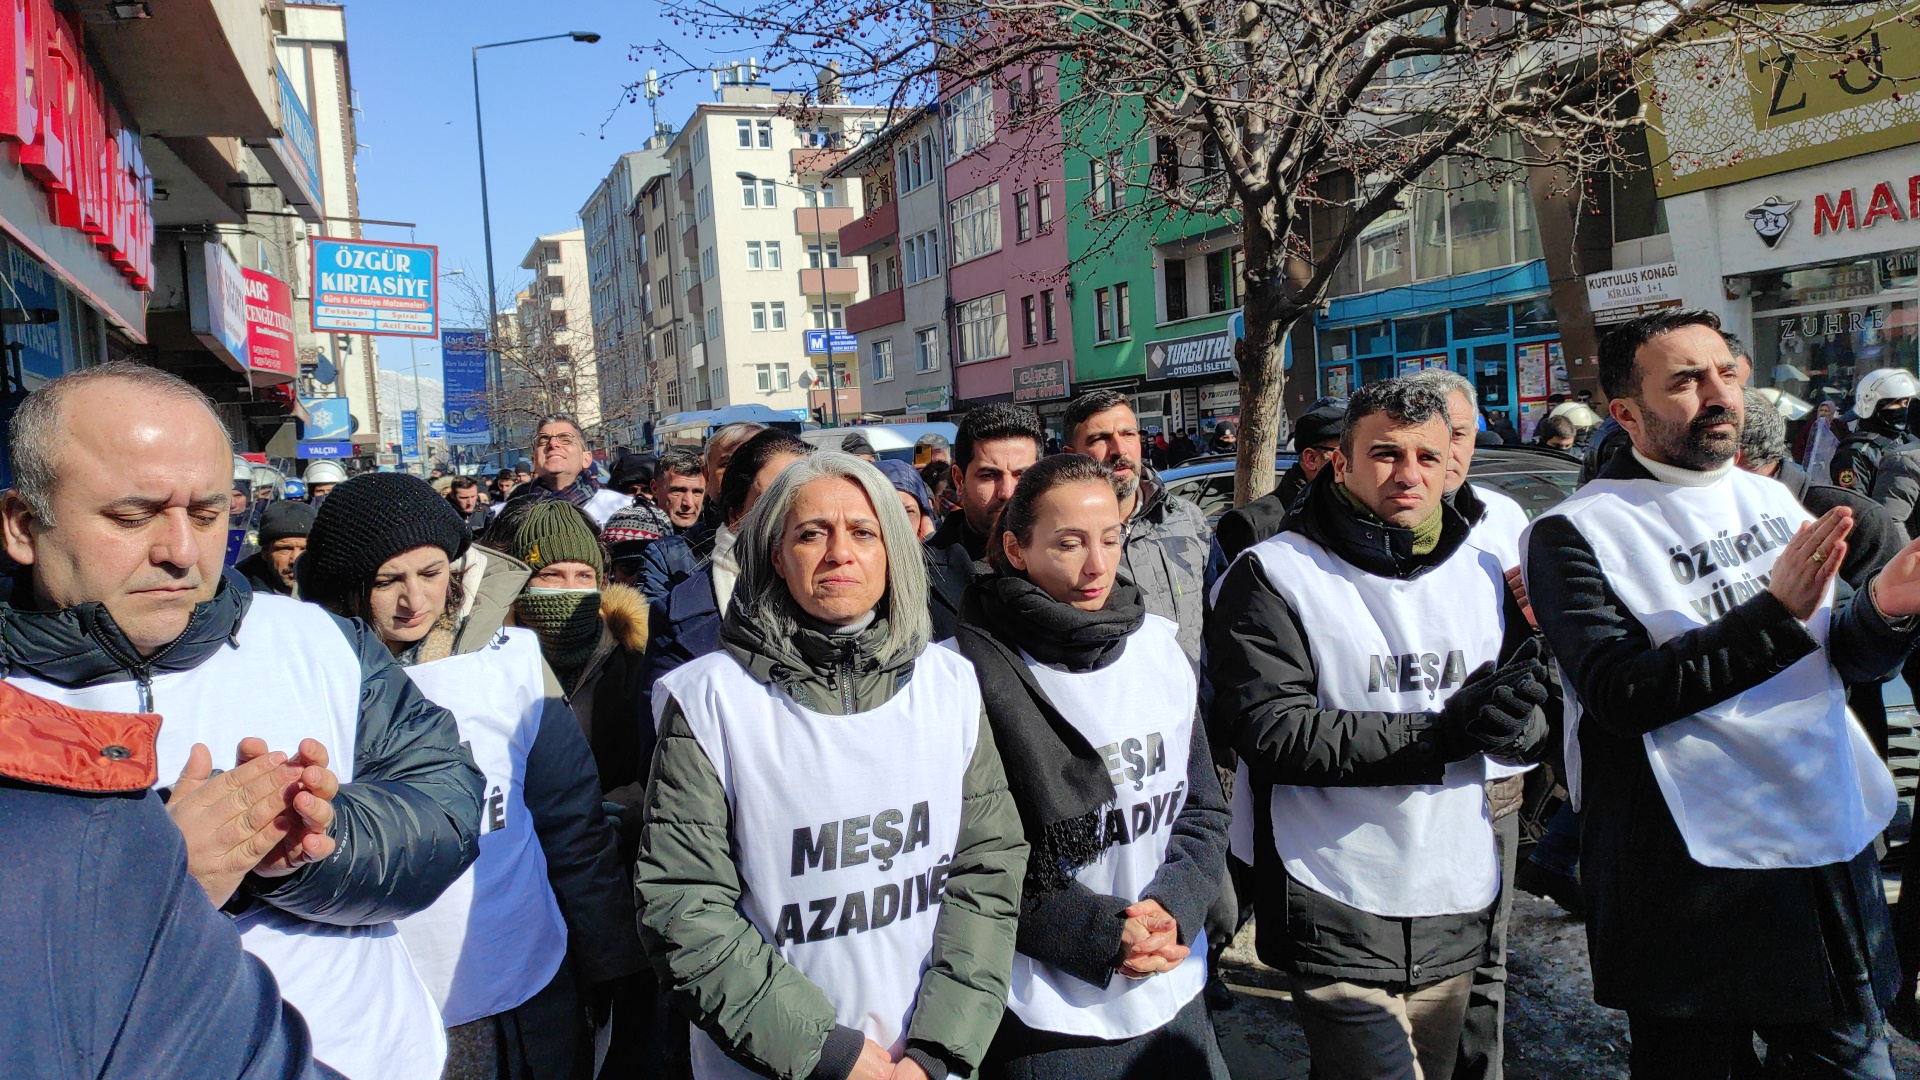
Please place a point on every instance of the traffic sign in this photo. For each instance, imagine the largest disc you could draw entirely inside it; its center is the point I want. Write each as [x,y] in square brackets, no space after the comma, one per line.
[307,451]
[843,342]
[368,287]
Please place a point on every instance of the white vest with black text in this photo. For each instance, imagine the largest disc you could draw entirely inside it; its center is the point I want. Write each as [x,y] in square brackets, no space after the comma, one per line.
[1781,775]
[843,828]
[1138,712]
[495,938]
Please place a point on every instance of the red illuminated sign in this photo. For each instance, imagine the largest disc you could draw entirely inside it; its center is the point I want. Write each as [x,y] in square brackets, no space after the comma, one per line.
[1844,211]
[269,324]
[69,137]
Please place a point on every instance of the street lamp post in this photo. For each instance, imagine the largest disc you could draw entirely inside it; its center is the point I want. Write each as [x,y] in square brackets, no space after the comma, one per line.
[587,37]
[826,312]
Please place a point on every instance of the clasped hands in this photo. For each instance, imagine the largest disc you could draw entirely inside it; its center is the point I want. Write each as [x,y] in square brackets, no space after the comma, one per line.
[268,815]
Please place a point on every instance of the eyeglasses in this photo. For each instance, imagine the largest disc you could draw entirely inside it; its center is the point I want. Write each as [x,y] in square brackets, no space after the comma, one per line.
[563,440]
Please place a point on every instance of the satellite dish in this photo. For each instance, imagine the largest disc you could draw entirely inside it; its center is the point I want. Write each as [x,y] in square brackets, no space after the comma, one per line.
[806,379]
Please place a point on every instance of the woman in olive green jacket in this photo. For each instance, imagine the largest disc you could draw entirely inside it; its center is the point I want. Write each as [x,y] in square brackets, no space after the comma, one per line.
[830,864]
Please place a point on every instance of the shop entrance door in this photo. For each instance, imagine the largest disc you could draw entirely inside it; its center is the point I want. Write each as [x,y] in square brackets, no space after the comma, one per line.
[1490,369]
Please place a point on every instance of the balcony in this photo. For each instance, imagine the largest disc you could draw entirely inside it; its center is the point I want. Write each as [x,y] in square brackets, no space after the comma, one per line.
[814,159]
[814,220]
[840,281]
[686,185]
[868,234]
[198,67]
[690,243]
[888,307]
[696,299]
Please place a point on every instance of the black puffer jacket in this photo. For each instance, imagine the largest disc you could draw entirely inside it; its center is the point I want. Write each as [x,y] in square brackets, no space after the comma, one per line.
[406,826]
[1266,707]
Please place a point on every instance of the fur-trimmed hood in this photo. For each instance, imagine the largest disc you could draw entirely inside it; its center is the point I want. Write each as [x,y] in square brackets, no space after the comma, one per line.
[624,611]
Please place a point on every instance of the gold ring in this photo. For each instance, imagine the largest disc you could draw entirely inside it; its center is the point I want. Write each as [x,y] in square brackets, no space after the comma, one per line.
[1819,557]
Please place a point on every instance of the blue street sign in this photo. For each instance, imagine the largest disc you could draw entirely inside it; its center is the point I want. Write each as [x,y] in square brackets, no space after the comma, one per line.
[843,341]
[436,429]
[365,287]
[307,451]
[409,434]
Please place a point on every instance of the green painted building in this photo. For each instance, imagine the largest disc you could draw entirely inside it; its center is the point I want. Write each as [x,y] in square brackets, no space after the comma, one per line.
[1155,297]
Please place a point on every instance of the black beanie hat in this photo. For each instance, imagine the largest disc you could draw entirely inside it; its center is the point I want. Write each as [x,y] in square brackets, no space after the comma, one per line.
[283,518]
[368,520]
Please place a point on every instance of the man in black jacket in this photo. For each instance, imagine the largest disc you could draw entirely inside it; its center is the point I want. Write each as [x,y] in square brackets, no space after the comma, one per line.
[995,446]
[1880,406]
[1366,662]
[118,517]
[1729,804]
[1316,435]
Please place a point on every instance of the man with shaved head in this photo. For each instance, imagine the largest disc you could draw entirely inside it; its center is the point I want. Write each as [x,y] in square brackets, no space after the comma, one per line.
[371,807]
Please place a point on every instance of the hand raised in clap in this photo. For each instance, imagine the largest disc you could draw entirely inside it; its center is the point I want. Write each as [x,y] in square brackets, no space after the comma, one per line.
[1806,567]
[309,816]
[1896,591]
[1150,941]
[231,821]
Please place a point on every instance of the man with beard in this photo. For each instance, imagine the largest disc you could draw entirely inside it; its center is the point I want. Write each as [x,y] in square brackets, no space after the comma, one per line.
[1728,798]
[995,446]
[1165,550]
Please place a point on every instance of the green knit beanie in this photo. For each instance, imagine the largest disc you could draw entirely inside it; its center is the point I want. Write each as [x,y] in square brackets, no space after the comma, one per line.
[555,531]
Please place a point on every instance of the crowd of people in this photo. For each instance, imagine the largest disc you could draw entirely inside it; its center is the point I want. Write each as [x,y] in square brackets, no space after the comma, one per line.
[772,760]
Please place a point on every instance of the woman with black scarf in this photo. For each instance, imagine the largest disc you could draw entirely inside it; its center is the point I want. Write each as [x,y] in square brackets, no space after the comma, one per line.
[1093,704]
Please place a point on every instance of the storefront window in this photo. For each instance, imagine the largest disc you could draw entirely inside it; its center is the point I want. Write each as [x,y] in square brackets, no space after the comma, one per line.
[1417,335]
[1818,329]
[1486,321]
[1374,338]
[1534,318]
[1334,345]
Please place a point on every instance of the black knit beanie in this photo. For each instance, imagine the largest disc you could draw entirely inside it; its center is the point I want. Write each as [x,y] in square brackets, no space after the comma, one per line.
[368,520]
[284,518]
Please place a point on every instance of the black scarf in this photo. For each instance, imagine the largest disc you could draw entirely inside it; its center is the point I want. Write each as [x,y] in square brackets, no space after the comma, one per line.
[1058,780]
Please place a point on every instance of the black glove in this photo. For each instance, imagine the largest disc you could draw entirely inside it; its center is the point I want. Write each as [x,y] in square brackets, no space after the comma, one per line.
[1494,710]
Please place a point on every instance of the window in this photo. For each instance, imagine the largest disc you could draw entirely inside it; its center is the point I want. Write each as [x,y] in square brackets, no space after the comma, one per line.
[1174,274]
[1122,315]
[1116,193]
[771,378]
[1098,183]
[763,132]
[819,321]
[922,256]
[759,316]
[1048,328]
[974,222]
[1102,315]
[813,255]
[753,255]
[743,131]
[1016,98]
[1022,217]
[969,120]
[777,315]
[926,350]
[713,323]
[821,196]
[983,328]
[914,163]
[772,248]
[660,238]
[881,353]
[766,194]
[703,204]
[1166,162]
[719,382]
[1029,322]
[1219,280]
[709,265]
[749,191]
[699,144]
[1043,195]
[883,275]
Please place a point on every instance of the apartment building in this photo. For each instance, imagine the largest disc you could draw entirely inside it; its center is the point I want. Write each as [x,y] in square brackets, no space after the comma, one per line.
[1012,331]
[901,327]
[663,319]
[549,364]
[615,251]
[756,220]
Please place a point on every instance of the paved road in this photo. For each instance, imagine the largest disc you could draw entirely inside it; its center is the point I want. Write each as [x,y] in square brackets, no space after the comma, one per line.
[1554,1030]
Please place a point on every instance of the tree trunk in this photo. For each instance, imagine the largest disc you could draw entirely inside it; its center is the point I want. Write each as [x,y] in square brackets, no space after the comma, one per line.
[1268,315]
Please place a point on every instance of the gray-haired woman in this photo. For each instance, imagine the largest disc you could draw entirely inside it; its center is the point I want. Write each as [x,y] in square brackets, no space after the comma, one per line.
[830,864]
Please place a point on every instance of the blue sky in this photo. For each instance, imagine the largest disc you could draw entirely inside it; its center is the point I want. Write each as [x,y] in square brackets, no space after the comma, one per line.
[552,126]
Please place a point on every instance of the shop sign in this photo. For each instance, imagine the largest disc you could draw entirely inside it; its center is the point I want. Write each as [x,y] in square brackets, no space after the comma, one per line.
[1842,211]
[70,140]
[1207,354]
[463,366]
[1041,382]
[217,303]
[46,351]
[308,451]
[1220,397]
[269,324]
[293,159]
[929,399]
[329,419]
[363,286]
[1618,295]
